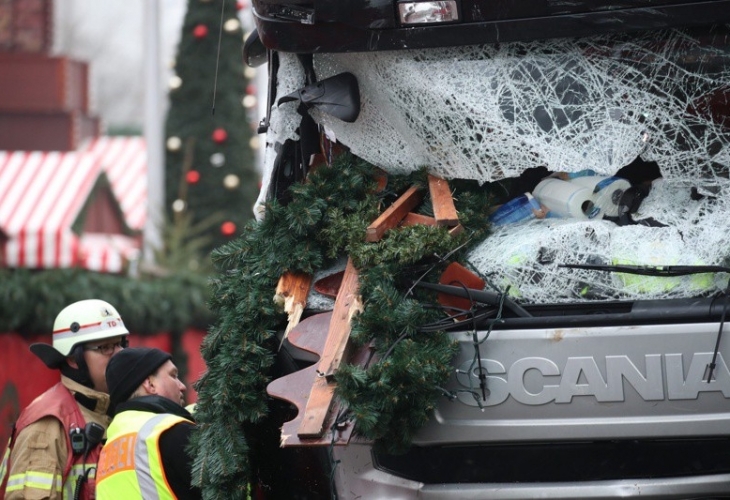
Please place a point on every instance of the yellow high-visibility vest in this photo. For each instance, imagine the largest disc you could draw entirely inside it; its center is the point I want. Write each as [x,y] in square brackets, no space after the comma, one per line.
[130,465]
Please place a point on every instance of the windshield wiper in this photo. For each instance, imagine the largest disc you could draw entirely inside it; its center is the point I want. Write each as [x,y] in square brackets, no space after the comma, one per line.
[650,270]
[481,296]
[671,271]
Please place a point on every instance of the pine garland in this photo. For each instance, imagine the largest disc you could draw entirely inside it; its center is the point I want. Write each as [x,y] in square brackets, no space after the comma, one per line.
[30,300]
[326,219]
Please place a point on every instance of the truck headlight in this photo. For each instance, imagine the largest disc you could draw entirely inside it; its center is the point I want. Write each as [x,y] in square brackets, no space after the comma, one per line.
[428,12]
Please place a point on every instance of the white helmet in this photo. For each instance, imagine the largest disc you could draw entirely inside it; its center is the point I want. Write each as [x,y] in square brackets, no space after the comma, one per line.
[80,322]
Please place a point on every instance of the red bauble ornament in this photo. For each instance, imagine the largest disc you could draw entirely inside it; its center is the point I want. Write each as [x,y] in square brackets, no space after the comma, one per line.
[200,31]
[220,135]
[228,228]
[193,176]
[240,5]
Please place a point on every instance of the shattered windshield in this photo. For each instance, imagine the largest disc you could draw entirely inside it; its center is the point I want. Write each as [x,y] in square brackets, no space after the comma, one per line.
[652,108]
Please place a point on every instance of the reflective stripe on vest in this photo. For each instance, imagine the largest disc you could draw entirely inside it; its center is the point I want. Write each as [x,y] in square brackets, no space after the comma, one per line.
[36,480]
[4,464]
[130,465]
[49,482]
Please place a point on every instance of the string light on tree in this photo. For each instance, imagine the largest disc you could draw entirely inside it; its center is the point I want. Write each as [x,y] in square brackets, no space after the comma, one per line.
[173,144]
[232,25]
[217,160]
[228,228]
[200,31]
[213,146]
[231,181]
[192,177]
[175,82]
[220,135]
[178,205]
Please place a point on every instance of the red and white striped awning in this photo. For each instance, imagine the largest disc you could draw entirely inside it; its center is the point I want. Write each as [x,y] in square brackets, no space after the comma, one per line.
[43,193]
[107,252]
[124,160]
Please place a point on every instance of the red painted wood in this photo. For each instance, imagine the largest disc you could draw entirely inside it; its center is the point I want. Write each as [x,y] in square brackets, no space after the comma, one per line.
[23,377]
[191,341]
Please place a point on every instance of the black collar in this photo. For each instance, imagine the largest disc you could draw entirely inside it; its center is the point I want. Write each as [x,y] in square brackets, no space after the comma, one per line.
[86,401]
[154,404]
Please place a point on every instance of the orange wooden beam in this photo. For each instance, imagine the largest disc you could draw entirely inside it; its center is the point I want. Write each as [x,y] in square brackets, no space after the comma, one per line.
[347,304]
[412,219]
[394,214]
[444,210]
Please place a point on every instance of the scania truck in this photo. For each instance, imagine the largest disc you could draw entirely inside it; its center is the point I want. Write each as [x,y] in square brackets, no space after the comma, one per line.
[609,377]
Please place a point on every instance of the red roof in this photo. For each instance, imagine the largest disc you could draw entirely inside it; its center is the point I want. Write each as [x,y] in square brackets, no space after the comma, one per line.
[124,160]
[43,193]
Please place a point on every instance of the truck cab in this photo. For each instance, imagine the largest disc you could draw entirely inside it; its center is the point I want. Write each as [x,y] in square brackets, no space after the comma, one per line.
[598,370]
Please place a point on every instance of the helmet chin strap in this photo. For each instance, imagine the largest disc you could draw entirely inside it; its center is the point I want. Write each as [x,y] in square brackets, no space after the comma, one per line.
[80,374]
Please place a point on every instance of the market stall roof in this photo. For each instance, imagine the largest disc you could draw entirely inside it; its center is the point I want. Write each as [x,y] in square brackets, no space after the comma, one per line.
[124,160]
[81,208]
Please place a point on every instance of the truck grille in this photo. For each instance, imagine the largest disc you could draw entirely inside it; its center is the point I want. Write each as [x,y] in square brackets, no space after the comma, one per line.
[558,462]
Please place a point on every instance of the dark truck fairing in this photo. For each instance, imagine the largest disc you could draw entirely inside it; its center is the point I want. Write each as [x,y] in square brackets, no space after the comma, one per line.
[372,25]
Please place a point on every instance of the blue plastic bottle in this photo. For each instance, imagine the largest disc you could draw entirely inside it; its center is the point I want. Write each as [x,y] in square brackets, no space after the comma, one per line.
[521,208]
[581,173]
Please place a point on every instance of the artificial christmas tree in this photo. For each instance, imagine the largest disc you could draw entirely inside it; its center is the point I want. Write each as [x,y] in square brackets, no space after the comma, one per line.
[207,129]
[327,216]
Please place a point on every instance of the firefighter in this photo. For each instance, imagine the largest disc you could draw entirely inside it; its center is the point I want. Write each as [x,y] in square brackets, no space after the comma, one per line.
[145,455]
[56,441]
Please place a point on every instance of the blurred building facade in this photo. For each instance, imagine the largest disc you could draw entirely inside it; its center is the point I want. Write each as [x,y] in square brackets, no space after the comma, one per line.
[44,99]
[69,197]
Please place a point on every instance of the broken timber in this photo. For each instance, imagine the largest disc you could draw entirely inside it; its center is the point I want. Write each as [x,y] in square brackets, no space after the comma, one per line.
[312,390]
[444,210]
[291,293]
[394,214]
[347,304]
[412,219]
[399,213]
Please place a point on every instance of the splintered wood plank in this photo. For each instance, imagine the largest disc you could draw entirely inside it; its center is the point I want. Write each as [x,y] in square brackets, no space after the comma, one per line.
[412,219]
[295,388]
[394,214]
[291,293]
[317,412]
[444,210]
[347,304]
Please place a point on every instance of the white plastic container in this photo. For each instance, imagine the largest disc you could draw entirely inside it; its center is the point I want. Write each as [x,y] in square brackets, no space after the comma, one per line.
[565,199]
[607,191]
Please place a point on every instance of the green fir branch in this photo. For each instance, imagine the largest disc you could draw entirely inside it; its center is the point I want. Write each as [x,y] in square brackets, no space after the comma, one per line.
[30,300]
[328,214]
